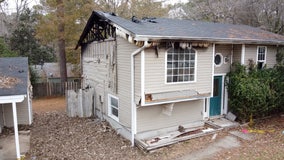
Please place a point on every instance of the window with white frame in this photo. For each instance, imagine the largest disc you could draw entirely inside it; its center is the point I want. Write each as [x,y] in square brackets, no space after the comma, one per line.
[181,65]
[261,56]
[113,105]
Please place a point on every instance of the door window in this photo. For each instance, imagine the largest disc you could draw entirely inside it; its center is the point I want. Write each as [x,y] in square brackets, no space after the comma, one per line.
[216,87]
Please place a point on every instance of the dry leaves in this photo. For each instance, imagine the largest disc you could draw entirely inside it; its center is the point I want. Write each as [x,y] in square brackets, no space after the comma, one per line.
[8,82]
[267,145]
[56,136]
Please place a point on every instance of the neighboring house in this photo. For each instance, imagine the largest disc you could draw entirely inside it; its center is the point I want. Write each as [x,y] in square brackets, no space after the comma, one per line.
[15,91]
[157,73]
[50,72]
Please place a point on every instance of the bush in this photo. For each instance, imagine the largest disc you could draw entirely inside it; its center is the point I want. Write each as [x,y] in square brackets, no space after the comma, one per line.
[253,92]
[33,76]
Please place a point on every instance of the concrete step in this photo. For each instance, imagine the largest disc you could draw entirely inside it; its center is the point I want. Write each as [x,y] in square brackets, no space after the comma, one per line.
[244,136]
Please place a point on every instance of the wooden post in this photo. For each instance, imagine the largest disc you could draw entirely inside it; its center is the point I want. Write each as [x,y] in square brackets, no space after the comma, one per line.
[16,130]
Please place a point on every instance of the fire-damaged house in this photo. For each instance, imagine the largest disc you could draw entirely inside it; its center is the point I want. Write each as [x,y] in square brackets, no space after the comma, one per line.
[156,75]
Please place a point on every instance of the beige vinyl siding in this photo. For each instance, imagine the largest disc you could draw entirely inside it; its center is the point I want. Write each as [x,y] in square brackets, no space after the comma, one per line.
[155,72]
[124,50]
[271,56]
[137,80]
[96,74]
[1,118]
[95,60]
[225,51]
[22,113]
[250,53]
[152,118]
[237,53]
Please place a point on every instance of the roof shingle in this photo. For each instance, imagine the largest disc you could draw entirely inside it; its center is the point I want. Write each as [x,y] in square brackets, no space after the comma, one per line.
[13,76]
[166,28]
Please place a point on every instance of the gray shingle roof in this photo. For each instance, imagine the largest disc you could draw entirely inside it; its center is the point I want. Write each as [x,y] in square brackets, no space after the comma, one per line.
[13,76]
[166,28]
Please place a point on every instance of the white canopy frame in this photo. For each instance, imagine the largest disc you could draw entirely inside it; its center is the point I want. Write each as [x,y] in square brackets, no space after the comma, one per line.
[13,100]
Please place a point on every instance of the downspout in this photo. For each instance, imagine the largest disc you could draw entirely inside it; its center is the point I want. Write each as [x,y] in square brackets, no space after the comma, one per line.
[243,54]
[29,104]
[213,68]
[133,104]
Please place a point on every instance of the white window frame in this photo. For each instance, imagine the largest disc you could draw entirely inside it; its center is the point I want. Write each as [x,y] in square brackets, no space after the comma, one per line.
[195,69]
[257,55]
[221,59]
[110,106]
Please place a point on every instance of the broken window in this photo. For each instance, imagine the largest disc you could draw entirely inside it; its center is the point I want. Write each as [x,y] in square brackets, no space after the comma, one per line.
[261,56]
[181,65]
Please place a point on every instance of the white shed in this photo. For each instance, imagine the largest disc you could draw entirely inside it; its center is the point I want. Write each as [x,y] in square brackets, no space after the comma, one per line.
[15,101]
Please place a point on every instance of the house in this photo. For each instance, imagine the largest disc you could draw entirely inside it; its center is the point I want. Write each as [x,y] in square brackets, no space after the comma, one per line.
[15,91]
[50,72]
[156,74]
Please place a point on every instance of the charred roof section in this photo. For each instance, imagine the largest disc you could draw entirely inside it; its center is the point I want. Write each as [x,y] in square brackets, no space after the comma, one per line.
[97,28]
[153,29]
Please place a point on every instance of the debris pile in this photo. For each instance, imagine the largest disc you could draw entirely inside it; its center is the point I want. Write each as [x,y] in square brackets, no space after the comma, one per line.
[8,82]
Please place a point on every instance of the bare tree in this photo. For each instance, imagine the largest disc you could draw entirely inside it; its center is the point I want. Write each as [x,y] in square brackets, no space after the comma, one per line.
[129,8]
[267,14]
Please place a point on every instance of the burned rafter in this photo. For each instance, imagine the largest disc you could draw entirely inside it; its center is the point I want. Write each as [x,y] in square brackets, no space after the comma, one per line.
[100,31]
[98,28]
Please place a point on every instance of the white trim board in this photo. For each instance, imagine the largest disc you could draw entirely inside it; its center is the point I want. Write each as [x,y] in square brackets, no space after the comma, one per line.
[11,99]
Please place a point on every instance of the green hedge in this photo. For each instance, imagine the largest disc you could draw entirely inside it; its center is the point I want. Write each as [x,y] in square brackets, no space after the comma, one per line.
[254,92]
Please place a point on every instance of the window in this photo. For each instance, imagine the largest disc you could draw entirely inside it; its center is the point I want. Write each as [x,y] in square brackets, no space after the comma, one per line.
[181,65]
[113,105]
[261,56]
[218,59]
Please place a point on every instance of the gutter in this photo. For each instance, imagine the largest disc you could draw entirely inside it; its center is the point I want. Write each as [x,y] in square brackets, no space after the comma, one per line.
[209,39]
[133,104]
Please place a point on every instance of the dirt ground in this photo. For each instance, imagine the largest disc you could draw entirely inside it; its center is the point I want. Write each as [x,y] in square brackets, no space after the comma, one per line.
[56,136]
[49,104]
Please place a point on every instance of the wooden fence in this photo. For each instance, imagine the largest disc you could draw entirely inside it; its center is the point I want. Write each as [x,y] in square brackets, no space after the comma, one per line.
[54,89]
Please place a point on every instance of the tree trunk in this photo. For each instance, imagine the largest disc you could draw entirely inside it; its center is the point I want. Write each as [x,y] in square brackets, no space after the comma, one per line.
[61,40]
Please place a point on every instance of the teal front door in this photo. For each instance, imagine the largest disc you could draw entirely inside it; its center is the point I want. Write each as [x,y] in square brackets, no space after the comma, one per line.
[216,100]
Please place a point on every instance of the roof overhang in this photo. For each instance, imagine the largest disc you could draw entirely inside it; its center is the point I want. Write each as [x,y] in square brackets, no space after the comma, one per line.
[207,39]
[12,98]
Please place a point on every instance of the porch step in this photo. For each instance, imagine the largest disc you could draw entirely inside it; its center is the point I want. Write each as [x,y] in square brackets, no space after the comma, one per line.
[222,123]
